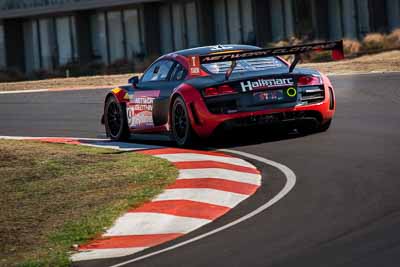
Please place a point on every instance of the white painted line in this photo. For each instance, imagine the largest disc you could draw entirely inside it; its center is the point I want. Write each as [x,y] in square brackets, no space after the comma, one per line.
[23,91]
[147,223]
[205,195]
[236,176]
[44,137]
[290,183]
[104,253]
[184,157]
[95,142]
[120,145]
[362,73]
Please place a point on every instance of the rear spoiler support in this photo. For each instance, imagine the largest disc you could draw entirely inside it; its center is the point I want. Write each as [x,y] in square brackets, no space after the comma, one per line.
[296,60]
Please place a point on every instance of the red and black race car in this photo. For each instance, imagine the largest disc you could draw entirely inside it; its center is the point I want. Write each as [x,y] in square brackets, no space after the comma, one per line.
[192,93]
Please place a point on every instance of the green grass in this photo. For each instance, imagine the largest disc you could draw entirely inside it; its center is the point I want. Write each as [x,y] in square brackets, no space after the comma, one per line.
[54,196]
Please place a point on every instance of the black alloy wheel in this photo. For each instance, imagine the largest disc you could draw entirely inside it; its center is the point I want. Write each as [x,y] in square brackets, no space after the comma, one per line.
[115,120]
[181,128]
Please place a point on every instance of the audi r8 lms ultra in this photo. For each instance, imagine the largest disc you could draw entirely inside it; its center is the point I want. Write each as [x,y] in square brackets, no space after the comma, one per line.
[192,93]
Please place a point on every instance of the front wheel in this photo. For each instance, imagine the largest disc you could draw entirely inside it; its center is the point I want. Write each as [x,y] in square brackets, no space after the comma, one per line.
[115,120]
[181,127]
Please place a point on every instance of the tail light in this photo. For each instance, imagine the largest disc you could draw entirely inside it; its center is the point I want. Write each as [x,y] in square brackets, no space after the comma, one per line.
[309,80]
[220,90]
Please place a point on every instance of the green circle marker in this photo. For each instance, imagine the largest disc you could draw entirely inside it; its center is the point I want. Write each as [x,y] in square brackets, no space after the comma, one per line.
[291,91]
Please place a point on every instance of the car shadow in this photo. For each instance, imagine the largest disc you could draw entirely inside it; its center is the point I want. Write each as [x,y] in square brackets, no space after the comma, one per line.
[230,139]
[250,137]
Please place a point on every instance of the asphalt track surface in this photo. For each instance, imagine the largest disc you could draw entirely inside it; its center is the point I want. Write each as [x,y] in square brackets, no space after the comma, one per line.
[343,211]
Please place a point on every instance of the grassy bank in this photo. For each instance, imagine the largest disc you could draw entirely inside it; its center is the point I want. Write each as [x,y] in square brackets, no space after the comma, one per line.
[54,196]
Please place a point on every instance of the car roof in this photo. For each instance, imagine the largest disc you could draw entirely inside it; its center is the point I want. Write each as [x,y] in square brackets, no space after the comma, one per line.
[205,50]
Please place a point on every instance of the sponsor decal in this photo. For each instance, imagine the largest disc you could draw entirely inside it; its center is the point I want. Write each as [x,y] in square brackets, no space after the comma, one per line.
[291,92]
[140,109]
[265,83]
[116,90]
[336,46]
[220,47]
[275,95]
[194,65]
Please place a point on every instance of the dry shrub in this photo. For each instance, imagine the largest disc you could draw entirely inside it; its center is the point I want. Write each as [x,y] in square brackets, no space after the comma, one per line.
[144,63]
[393,40]
[317,56]
[321,56]
[295,41]
[10,75]
[351,47]
[289,42]
[281,43]
[373,42]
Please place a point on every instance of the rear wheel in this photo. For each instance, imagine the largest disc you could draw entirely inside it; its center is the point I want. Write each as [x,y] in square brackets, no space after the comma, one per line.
[115,120]
[181,127]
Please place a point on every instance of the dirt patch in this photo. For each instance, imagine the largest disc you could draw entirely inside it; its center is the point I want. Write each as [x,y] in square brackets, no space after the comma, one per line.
[69,83]
[53,196]
[382,62]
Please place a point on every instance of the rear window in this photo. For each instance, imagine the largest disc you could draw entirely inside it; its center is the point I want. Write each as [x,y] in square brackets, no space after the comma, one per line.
[245,65]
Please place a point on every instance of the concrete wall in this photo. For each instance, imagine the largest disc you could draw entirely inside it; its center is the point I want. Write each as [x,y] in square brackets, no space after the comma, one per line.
[277,20]
[289,22]
[117,34]
[2,47]
[14,41]
[80,37]
[262,25]
[363,17]
[233,21]
[393,13]
[349,19]
[134,38]
[335,19]
[206,31]
[48,44]
[144,27]
[151,28]
[179,25]
[32,46]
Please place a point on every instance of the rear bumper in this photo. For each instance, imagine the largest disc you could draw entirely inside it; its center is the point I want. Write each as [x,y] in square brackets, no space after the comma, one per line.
[283,119]
[204,123]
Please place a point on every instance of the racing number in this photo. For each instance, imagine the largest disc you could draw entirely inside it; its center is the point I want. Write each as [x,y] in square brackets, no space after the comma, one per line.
[194,66]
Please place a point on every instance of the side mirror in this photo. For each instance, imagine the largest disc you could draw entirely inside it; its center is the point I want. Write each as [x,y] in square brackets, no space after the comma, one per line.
[134,80]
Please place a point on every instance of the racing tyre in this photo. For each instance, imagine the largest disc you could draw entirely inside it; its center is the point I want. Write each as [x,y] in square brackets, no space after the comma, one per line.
[181,128]
[115,120]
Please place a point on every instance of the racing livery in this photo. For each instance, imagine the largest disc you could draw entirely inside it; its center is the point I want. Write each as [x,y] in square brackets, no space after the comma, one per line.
[194,92]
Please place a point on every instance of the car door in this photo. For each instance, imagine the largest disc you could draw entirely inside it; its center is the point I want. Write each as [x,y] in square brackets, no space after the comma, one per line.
[162,103]
[151,89]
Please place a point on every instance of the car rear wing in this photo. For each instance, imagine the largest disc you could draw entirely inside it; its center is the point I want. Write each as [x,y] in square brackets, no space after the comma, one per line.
[335,46]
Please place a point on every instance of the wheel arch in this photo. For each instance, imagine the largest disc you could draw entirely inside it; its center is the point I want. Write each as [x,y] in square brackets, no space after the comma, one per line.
[120,94]
[188,93]
[123,133]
